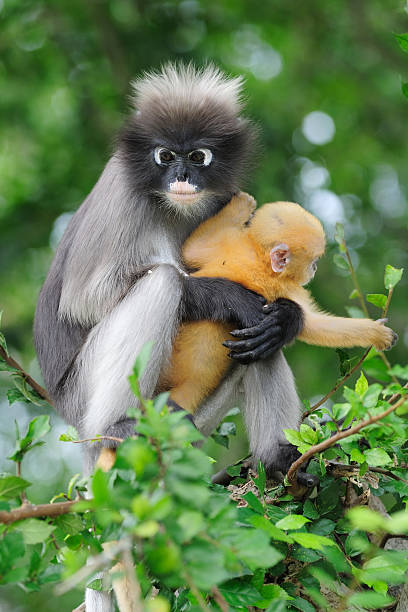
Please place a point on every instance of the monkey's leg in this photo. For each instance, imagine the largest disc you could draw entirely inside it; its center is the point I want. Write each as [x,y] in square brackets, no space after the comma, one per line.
[149,312]
[271,405]
[198,363]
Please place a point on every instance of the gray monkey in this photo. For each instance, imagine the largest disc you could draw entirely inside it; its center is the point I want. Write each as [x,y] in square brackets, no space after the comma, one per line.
[117,280]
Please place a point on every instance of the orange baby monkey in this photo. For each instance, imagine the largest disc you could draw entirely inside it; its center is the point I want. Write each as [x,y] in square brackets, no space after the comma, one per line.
[273,251]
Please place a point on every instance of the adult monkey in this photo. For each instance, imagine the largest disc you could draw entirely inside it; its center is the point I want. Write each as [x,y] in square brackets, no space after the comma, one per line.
[117,281]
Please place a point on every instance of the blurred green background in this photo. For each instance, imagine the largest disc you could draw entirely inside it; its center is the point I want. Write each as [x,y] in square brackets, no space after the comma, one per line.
[323,80]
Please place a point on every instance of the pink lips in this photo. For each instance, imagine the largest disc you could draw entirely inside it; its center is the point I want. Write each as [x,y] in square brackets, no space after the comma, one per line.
[182,187]
[182,191]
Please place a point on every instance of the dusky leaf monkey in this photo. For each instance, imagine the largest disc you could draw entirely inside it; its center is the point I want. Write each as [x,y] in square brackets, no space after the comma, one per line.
[273,252]
[117,280]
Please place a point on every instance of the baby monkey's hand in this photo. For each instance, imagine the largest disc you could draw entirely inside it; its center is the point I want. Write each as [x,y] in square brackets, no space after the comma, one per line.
[384,337]
[241,207]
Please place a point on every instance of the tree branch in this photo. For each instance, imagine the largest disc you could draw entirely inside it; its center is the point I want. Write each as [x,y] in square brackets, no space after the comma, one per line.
[31,511]
[13,363]
[322,446]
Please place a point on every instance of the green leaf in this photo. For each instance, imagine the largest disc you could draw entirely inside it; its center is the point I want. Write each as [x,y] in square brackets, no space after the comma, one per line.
[370,600]
[252,547]
[71,435]
[293,437]
[378,299]
[142,359]
[271,592]
[361,385]
[357,456]
[308,434]
[309,510]
[354,294]
[253,502]
[311,540]
[398,522]
[292,521]
[370,397]
[260,480]
[276,534]
[392,276]
[339,234]
[362,517]
[12,486]
[341,262]
[402,40]
[239,594]
[191,523]
[404,87]
[38,428]
[34,531]
[400,371]
[377,457]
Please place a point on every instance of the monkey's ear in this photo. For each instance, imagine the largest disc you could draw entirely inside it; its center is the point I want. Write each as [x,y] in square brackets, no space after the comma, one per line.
[280,257]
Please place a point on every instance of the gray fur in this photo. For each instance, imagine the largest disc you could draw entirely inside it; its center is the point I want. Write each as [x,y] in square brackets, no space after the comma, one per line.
[97,307]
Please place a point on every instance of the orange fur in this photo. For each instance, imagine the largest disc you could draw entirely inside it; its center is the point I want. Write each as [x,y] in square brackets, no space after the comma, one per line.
[236,244]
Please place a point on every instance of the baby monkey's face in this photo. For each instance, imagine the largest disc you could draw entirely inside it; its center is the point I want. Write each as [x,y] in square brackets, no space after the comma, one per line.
[295,264]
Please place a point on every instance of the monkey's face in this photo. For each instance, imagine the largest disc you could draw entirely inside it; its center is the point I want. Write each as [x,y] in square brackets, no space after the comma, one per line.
[183,178]
[189,160]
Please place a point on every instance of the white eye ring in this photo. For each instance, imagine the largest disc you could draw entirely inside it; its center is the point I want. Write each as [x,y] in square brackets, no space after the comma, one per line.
[157,153]
[207,156]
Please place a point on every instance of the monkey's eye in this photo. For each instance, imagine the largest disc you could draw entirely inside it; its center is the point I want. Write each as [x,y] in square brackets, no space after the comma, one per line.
[314,265]
[201,157]
[163,156]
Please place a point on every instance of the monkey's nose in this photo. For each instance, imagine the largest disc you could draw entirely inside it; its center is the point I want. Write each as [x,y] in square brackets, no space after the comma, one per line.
[181,176]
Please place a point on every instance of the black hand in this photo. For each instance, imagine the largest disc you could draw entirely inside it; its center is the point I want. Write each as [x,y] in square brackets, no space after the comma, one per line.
[282,323]
[219,299]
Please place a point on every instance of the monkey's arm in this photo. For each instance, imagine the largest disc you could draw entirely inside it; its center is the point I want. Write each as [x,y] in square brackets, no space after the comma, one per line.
[282,323]
[214,232]
[327,330]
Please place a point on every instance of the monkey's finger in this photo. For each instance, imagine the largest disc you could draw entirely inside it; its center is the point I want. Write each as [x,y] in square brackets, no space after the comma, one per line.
[272,349]
[256,330]
[249,356]
[250,343]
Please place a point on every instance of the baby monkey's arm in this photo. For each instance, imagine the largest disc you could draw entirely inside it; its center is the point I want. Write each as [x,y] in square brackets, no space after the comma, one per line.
[327,330]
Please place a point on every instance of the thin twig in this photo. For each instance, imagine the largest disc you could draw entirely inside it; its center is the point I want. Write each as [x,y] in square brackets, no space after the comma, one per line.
[196,593]
[378,470]
[322,446]
[14,364]
[23,495]
[337,386]
[219,599]
[98,439]
[31,511]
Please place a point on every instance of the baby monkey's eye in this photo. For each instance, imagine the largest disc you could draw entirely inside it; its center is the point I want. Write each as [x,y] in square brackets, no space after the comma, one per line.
[163,156]
[314,265]
[201,157]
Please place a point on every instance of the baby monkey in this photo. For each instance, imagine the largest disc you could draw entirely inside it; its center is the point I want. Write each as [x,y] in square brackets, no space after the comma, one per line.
[273,252]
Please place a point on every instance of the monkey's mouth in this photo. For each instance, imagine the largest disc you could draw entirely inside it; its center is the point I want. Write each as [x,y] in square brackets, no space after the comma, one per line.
[183,191]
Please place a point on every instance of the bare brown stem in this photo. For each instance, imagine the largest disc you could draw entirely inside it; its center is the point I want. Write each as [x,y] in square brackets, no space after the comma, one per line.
[33,384]
[33,511]
[218,597]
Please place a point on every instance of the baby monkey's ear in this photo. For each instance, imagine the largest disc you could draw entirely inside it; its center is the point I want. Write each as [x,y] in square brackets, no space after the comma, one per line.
[280,257]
